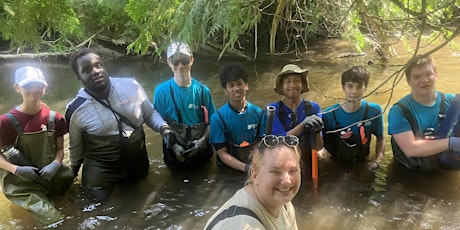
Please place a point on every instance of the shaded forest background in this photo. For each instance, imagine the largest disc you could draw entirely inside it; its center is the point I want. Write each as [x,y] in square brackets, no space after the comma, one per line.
[246,28]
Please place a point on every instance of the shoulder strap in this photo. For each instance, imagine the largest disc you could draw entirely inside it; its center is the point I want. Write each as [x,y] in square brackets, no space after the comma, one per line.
[122,118]
[72,107]
[15,123]
[442,110]
[366,110]
[51,119]
[226,130]
[410,118]
[259,123]
[231,212]
[179,116]
[282,114]
[308,108]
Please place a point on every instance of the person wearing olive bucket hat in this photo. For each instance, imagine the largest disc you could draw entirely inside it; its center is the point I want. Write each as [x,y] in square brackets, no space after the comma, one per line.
[293,114]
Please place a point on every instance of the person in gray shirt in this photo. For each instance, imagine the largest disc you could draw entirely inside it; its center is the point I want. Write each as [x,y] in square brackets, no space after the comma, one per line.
[106,127]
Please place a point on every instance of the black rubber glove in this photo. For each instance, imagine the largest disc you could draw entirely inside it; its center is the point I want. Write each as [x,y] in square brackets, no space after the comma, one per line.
[313,123]
[169,138]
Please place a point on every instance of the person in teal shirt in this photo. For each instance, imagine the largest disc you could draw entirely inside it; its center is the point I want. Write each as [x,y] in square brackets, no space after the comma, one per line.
[186,105]
[237,125]
[356,119]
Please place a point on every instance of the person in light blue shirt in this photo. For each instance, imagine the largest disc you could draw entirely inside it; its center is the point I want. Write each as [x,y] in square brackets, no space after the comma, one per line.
[414,121]
[186,105]
[237,125]
[356,119]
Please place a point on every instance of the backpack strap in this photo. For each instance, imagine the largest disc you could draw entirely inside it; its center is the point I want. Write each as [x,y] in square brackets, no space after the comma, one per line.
[231,212]
[15,122]
[72,107]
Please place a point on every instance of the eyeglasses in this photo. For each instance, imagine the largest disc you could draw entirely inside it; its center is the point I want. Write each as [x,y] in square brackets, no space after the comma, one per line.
[293,117]
[272,141]
[183,61]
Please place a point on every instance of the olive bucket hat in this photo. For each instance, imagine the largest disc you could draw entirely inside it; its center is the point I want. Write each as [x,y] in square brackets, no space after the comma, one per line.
[288,69]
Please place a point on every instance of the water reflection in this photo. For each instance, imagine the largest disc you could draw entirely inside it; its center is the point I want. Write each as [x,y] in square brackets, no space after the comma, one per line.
[349,196]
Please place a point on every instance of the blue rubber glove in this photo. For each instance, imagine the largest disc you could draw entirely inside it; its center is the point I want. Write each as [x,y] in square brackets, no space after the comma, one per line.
[454,144]
[27,173]
[50,170]
[313,123]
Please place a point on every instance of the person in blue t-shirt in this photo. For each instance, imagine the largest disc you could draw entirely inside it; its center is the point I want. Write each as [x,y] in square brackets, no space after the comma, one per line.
[348,125]
[237,125]
[186,105]
[294,115]
[413,122]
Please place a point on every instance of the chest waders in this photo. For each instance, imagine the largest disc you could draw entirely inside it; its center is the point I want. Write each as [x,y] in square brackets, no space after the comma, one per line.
[304,143]
[115,158]
[186,134]
[40,148]
[425,164]
[243,154]
[352,150]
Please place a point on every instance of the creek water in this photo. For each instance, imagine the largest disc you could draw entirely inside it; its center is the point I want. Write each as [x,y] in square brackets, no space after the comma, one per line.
[349,196]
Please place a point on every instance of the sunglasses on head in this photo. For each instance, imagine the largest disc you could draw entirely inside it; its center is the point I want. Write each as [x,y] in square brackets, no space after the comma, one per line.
[272,141]
[183,61]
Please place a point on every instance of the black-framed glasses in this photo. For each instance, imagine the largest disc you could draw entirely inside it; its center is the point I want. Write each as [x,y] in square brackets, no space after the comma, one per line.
[272,141]
[293,117]
[183,61]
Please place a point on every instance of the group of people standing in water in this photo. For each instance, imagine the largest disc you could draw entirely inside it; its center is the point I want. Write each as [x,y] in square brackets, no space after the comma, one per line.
[106,147]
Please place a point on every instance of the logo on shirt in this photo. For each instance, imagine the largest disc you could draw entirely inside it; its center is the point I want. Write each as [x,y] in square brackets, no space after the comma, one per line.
[252,126]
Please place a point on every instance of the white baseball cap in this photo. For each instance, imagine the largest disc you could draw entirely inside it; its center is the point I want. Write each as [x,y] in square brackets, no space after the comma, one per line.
[26,75]
[180,48]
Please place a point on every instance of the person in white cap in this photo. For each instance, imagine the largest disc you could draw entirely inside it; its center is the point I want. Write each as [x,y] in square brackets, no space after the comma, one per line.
[294,115]
[34,133]
[186,104]
[106,132]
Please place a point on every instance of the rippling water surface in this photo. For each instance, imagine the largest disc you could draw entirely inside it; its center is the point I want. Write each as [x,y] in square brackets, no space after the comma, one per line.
[349,196]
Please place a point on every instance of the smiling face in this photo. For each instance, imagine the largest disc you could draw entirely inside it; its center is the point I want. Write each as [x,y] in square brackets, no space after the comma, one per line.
[422,80]
[32,92]
[92,73]
[292,85]
[180,64]
[236,90]
[278,179]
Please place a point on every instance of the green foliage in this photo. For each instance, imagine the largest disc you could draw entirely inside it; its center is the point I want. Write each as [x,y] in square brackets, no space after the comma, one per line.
[32,22]
[148,26]
[107,18]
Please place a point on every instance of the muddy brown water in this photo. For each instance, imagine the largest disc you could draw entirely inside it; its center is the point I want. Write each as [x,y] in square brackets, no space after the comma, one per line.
[349,196]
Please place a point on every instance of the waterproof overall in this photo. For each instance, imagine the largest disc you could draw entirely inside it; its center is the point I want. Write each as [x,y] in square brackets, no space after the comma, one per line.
[426,164]
[243,154]
[40,148]
[305,143]
[186,134]
[112,159]
[351,150]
